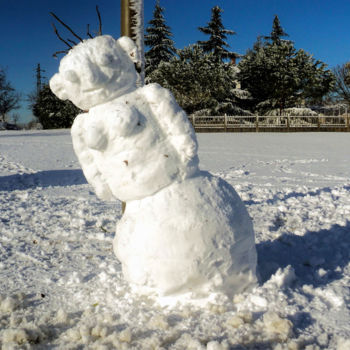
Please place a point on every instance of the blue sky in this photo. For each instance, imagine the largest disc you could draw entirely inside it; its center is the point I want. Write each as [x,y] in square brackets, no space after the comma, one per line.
[321,27]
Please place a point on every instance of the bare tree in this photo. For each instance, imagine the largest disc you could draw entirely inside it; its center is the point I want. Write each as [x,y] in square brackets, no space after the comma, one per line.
[342,81]
[9,98]
[15,118]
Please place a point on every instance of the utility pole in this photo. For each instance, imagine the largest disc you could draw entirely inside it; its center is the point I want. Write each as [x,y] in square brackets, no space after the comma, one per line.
[126,19]
[39,77]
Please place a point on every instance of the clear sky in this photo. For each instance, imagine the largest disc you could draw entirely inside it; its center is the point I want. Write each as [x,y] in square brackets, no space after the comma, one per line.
[320,27]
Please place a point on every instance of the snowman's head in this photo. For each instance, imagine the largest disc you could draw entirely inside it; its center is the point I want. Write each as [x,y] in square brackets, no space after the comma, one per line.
[96,71]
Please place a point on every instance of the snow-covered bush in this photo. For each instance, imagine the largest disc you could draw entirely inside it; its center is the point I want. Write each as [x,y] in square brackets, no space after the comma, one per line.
[292,112]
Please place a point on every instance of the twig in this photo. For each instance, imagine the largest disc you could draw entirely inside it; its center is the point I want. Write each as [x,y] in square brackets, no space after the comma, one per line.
[88,32]
[65,25]
[99,21]
[73,42]
[59,36]
[58,52]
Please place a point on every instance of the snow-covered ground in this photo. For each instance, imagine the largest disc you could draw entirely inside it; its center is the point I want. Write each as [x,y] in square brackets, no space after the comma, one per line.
[61,285]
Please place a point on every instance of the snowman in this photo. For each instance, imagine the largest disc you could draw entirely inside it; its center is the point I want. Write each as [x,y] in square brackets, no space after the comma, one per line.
[185,233]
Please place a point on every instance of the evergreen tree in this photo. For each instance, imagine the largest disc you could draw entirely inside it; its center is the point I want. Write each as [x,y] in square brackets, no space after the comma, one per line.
[200,84]
[158,39]
[278,76]
[9,98]
[217,37]
[277,32]
[52,112]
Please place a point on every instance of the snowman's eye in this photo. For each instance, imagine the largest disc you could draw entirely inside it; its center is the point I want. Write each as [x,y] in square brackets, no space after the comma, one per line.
[71,76]
[107,60]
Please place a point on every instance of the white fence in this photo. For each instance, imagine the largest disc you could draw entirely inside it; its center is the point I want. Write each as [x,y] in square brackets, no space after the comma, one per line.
[264,123]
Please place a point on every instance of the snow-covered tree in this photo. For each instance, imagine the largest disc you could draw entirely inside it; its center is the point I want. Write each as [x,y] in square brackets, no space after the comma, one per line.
[342,82]
[279,76]
[52,112]
[217,36]
[277,32]
[200,84]
[9,98]
[158,39]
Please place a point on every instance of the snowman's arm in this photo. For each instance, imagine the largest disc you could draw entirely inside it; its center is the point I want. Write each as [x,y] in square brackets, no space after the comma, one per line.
[173,121]
[87,160]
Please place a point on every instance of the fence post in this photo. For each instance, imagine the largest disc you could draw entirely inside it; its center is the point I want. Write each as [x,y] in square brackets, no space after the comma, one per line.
[193,121]
[288,123]
[348,122]
[257,123]
[225,121]
[318,122]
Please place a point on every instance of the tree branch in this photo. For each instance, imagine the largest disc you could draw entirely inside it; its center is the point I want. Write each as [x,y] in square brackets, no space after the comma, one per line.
[88,32]
[59,37]
[65,25]
[99,21]
[58,52]
[73,42]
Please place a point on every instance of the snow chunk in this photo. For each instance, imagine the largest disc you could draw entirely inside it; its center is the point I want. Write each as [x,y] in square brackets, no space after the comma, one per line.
[258,301]
[125,336]
[18,336]
[279,328]
[10,303]
[343,344]
[62,316]
[235,321]
[158,322]
[284,277]
[214,345]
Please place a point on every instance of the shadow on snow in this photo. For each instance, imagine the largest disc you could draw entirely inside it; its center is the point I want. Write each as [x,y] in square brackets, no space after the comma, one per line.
[43,179]
[283,197]
[327,249]
[32,133]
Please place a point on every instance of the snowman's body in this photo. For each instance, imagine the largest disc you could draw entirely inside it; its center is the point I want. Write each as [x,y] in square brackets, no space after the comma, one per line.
[192,236]
[183,230]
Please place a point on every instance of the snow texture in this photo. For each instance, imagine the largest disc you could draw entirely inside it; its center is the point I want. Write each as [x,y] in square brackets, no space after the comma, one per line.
[62,287]
[185,234]
[138,29]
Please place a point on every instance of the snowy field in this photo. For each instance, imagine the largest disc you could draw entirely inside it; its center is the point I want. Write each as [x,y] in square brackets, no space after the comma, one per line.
[61,286]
